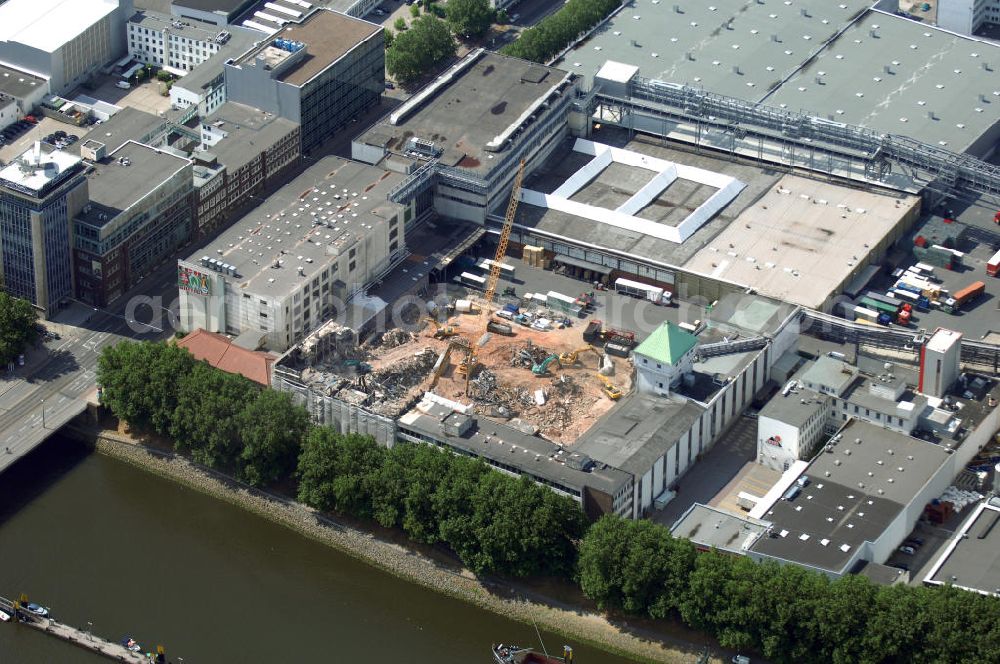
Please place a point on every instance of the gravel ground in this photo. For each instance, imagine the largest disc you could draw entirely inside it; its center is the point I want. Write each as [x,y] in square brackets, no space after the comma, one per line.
[397,560]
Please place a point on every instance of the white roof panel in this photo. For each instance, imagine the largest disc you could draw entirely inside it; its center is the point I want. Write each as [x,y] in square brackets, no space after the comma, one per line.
[49,24]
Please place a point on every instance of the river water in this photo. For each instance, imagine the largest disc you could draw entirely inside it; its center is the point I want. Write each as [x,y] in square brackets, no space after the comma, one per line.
[102,542]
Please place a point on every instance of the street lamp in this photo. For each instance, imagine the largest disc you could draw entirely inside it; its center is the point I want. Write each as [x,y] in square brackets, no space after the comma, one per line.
[43,413]
[90,630]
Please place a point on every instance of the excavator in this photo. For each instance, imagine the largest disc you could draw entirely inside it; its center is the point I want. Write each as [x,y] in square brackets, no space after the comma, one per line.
[542,368]
[611,390]
[441,331]
[572,357]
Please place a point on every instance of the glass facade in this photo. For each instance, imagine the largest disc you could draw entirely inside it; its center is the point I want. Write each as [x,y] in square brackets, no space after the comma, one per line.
[343,92]
[18,216]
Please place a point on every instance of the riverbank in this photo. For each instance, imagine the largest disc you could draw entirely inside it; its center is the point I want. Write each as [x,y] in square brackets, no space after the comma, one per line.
[577,625]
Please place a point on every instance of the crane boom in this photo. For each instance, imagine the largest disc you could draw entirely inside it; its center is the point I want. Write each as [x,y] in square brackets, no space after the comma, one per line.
[508,224]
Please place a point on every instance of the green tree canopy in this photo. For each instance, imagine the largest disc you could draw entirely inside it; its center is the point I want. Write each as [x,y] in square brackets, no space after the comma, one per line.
[140,382]
[470,18]
[420,49]
[557,31]
[272,428]
[17,326]
[206,421]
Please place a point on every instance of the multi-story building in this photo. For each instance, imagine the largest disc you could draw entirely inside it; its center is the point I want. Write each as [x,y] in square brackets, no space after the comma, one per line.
[321,72]
[141,209]
[299,258]
[64,41]
[25,89]
[967,16]
[213,12]
[242,152]
[471,128]
[40,192]
[205,85]
[179,45]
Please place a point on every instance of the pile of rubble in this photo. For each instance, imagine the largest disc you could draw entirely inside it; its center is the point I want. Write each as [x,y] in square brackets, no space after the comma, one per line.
[389,339]
[396,380]
[490,397]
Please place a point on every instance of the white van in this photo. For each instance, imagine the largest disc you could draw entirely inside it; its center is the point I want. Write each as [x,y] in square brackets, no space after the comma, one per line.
[124,85]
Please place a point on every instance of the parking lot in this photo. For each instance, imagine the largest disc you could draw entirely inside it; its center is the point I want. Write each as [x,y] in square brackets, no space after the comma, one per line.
[45,126]
[977,319]
[145,96]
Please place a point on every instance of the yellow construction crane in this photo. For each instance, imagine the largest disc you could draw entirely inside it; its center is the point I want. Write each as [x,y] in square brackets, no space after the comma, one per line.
[570,358]
[612,391]
[508,224]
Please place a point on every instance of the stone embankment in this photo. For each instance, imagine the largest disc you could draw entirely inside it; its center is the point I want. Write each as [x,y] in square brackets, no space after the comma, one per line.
[576,625]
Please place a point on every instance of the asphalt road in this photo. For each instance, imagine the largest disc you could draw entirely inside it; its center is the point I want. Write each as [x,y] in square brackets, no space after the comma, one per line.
[58,375]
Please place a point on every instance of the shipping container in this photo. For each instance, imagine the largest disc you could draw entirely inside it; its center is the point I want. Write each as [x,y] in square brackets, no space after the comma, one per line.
[885,299]
[865,314]
[506,271]
[969,293]
[880,307]
[993,265]
[563,303]
[472,280]
[643,291]
[618,350]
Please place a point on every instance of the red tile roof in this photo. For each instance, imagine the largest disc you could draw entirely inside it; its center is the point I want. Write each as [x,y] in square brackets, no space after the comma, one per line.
[219,351]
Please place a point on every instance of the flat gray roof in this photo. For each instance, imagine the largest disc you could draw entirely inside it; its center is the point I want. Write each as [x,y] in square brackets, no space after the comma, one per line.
[469,110]
[702,43]
[803,239]
[564,162]
[974,559]
[929,71]
[248,133]
[795,408]
[531,455]
[176,25]
[638,430]
[830,372]
[19,84]
[328,36]
[115,187]
[718,529]
[282,228]
[241,41]
[223,6]
[128,124]
[835,514]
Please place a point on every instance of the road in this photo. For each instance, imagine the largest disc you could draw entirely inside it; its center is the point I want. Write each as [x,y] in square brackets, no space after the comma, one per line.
[52,387]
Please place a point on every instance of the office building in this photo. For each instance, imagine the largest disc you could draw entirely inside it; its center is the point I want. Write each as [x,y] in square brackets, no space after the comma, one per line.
[204,87]
[210,12]
[40,192]
[966,17]
[179,45]
[64,41]
[471,128]
[322,72]
[26,90]
[140,210]
[299,258]
[242,152]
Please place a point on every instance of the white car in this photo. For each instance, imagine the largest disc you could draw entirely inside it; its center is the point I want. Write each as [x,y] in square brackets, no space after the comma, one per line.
[124,85]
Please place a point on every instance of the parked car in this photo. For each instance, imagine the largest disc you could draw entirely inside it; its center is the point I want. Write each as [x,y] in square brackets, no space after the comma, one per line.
[59,134]
[124,85]
[916,540]
[73,138]
[803,481]
[908,550]
[389,86]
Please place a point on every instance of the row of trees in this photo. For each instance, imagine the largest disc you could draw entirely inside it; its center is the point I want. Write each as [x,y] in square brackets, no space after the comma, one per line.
[786,613]
[413,53]
[498,524]
[557,31]
[493,522]
[222,420]
[421,47]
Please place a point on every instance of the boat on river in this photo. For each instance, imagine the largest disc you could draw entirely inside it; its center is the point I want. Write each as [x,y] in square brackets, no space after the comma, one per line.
[504,653]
